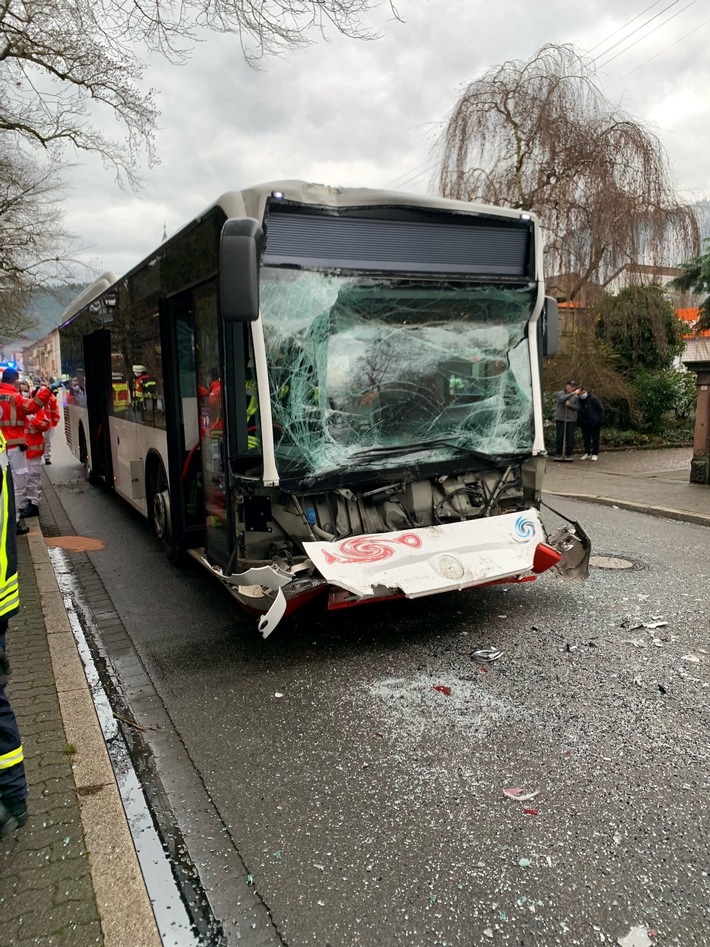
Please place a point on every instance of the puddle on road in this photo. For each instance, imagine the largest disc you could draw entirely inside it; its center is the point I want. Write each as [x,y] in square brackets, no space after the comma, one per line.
[74,543]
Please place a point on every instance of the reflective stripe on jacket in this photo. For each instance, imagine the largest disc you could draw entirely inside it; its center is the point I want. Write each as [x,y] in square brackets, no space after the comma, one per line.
[12,758]
[9,586]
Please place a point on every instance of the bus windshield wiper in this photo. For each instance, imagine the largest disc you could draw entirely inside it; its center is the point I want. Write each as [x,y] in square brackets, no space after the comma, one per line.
[375,453]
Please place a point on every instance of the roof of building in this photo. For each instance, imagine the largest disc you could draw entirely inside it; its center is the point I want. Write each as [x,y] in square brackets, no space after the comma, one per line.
[691,316]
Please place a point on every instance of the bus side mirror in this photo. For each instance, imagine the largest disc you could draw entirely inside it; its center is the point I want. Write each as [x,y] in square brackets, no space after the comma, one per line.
[239,248]
[550,327]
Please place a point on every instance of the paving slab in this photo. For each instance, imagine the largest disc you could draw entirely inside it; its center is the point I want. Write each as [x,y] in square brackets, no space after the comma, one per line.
[656,482]
[71,875]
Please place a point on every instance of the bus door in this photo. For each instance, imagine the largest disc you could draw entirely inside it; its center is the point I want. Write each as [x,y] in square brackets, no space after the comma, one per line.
[97,373]
[200,505]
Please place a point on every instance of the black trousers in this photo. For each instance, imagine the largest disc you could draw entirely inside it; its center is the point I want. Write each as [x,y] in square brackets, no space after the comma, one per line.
[564,442]
[13,784]
[590,436]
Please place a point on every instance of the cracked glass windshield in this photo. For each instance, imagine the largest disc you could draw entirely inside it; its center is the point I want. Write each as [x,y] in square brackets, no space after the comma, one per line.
[368,371]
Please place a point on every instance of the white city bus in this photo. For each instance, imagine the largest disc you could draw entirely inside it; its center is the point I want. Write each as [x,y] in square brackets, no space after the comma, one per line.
[327,390]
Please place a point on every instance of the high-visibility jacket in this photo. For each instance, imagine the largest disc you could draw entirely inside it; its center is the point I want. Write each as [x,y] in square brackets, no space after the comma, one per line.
[9,586]
[121,396]
[13,784]
[35,427]
[253,442]
[14,408]
[144,386]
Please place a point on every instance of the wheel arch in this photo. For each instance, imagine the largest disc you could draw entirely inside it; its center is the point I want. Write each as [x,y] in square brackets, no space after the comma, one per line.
[153,464]
[157,490]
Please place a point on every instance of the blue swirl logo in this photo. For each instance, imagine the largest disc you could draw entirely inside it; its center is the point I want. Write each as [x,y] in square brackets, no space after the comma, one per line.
[524,529]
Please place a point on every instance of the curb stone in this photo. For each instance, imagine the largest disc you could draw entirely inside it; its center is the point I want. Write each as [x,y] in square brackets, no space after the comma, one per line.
[682,516]
[124,908]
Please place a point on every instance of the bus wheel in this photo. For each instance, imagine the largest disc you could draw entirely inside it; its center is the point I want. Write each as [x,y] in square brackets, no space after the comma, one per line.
[159,514]
[93,479]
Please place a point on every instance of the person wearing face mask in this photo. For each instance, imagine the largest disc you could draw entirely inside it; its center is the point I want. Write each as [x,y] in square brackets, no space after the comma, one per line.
[566,410]
[591,415]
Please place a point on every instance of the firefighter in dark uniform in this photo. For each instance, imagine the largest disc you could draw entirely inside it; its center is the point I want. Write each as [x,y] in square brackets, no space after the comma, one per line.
[13,785]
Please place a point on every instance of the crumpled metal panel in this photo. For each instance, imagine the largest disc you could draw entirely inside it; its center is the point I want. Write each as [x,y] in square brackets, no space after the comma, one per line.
[434,559]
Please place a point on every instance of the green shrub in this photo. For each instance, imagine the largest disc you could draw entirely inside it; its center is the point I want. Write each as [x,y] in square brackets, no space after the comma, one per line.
[656,395]
[686,395]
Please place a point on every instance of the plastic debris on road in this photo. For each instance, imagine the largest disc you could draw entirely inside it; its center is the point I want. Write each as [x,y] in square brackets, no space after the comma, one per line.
[693,658]
[516,792]
[649,624]
[637,937]
[530,812]
[486,655]
[525,863]
[442,689]
[277,694]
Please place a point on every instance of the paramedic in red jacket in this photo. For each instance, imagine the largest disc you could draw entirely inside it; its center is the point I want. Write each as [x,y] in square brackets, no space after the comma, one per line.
[54,416]
[14,408]
[36,427]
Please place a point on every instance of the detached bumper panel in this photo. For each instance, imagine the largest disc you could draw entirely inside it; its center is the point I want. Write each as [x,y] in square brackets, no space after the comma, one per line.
[433,559]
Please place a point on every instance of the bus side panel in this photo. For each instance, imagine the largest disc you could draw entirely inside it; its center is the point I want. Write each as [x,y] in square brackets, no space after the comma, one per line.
[75,419]
[131,443]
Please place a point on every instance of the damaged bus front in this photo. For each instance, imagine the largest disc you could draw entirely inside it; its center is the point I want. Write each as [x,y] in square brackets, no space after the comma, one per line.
[390,442]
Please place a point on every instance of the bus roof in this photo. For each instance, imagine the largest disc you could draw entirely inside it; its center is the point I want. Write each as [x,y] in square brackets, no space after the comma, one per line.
[87,295]
[251,202]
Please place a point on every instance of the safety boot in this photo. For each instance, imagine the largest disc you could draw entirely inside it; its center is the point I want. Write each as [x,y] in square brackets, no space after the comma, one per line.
[13,815]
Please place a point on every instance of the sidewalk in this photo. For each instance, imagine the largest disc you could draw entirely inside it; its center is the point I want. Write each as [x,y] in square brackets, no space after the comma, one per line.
[647,481]
[70,877]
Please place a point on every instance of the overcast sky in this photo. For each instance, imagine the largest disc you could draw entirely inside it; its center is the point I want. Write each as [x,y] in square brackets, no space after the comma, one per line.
[347,112]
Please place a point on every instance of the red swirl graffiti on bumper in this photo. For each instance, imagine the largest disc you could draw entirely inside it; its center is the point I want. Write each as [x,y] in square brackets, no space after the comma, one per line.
[370,549]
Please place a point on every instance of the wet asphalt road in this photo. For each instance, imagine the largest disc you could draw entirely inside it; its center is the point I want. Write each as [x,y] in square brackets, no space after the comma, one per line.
[368,808]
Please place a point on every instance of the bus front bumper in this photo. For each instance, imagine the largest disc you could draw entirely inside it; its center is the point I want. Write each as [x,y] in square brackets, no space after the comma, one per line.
[447,557]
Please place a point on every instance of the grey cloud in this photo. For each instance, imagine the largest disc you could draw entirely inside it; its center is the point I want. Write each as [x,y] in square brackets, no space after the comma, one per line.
[367,113]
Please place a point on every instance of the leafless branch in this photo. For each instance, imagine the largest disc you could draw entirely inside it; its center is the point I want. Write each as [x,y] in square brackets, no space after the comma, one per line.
[541,135]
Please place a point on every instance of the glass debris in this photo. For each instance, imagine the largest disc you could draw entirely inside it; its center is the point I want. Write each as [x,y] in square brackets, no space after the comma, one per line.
[516,792]
[637,937]
[486,655]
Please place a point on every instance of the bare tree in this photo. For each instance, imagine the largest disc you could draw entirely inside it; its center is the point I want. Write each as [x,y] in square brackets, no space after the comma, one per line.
[67,69]
[59,60]
[33,242]
[541,136]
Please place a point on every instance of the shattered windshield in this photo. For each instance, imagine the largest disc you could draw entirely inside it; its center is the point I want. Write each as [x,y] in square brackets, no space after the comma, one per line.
[371,372]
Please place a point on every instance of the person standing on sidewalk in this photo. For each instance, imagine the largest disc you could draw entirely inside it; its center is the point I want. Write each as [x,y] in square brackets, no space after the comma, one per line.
[55,416]
[36,427]
[566,407]
[13,784]
[14,408]
[591,415]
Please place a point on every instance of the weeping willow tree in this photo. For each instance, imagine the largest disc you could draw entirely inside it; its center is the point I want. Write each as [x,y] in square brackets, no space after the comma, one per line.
[541,136]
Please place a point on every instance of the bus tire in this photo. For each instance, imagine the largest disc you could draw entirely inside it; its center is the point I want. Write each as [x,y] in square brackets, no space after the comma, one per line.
[159,513]
[93,478]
